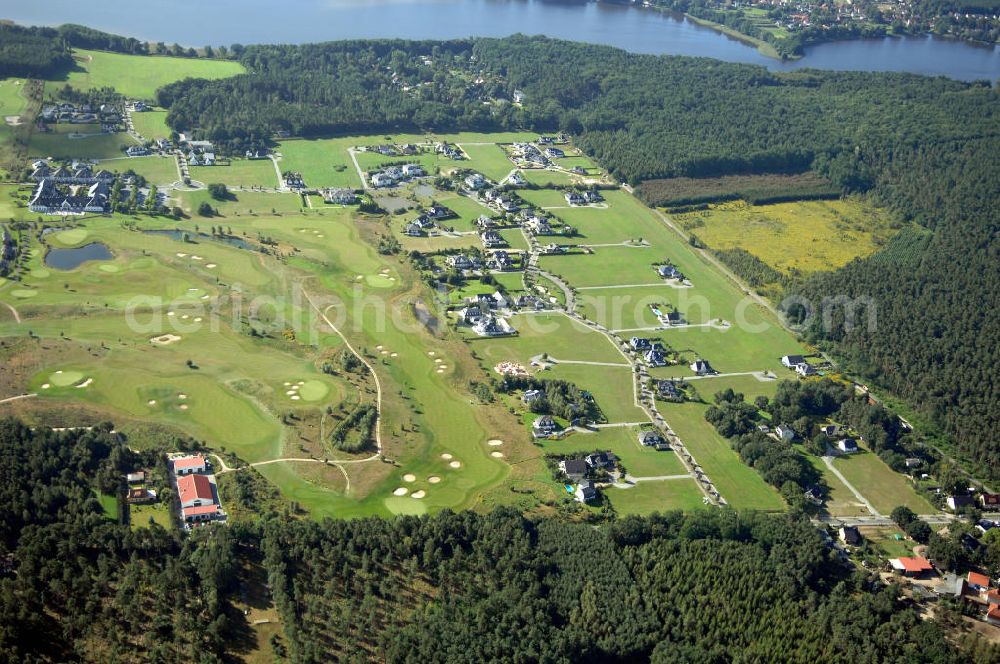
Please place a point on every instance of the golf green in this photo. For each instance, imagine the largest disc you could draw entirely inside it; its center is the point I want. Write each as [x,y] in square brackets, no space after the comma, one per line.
[40,273]
[313,390]
[24,294]
[71,237]
[405,505]
[109,268]
[65,378]
[379,281]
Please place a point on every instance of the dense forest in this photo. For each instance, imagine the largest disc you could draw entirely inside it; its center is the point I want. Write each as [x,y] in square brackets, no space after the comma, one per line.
[75,585]
[29,52]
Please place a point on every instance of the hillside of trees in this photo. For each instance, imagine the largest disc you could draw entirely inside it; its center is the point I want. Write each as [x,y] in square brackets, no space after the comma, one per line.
[706,587]
[31,52]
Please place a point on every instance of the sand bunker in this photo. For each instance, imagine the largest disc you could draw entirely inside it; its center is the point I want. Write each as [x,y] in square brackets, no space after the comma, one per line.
[433,479]
[210,265]
[45,386]
[85,383]
[12,120]
[409,477]
[384,352]
[182,397]
[296,398]
[183,406]
[440,370]
[447,456]
[419,494]
[290,392]
[198,319]
[197,258]
[151,402]
[204,297]
[401,491]
[180,255]
[431,353]
[185,317]
[287,383]
[393,354]
[171,313]
[165,339]
[379,347]
[455,464]
[498,455]
[494,442]
[438,361]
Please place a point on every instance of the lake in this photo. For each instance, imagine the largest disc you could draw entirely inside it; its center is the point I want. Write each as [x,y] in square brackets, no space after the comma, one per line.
[70,259]
[197,23]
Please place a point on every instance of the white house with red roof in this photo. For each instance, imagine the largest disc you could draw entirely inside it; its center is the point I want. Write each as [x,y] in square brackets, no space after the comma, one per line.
[186,465]
[195,491]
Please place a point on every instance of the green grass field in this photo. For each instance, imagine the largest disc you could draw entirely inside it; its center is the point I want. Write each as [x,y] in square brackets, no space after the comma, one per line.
[648,497]
[58,143]
[140,515]
[554,334]
[151,125]
[156,169]
[239,173]
[488,159]
[639,461]
[547,178]
[883,488]
[139,76]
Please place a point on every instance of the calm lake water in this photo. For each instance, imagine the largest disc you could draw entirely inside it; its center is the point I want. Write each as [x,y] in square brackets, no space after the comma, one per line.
[197,23]
[70,259]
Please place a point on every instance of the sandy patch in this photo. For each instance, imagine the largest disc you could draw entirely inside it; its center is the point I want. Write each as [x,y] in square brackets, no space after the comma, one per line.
[180,255]
[496,455]
[418,494]
[85,383]
[455,464]
[287,383]
[45,386]
[171,313]
[433,479]
[198,319]
[438,361]
[210,266]
[401,491]
[393,354]
[182,397]
[440,371]
[383,352]
[290,392]
[151,402]
[183,406]
[379,347]
[165,339]
[431,353]
[197,258]
[12,120]
[447,456]
[185,317]
[494,442]
[296,398]
[409,477]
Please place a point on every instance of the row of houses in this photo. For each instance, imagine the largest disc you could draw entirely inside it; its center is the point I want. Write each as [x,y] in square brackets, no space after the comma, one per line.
[50,198]
[75,173]
[428,220]
[393,174]
[105,114]
[652,351]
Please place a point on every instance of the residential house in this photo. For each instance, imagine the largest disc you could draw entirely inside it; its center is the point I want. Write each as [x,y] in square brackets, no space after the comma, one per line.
[381,180]
[830,430]
[669,272]
[668,390]
[441,212]
[339,196]
[553,248]
[574,469]
[518,97]
[990,501]
[585,491]
[189,464]
[792,361]
[139,495]
[544,426]
[911,566]
[956,503]
[978,582]
[491,326]
[702,367]
[655,358]
[201,513]
[804,369]
[671,318]
[501,260]
[785,432]
[592,196]
[412,170]
[294,180]
[413,229]
[575,198]
[640,344]
[491,239]
[539,225]
[531,396]
[814,494]
[499,300]
[847,446]
[554,153]
[850,535]
[137,151]
[484,222]
[516,179]
[601,460]
[459,262]
[194,491]
[993,614]
[137,477]
[475,181]
[507,203]
[650,438]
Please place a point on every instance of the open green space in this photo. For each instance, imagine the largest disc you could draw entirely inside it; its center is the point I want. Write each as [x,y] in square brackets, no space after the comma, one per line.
[555,334]
[840,501]
[151,125]
[156,169]
[884,488]
[611,387]
[488,159]
[322,162]
[140,516]
[238,173]
[139,76]
[548,178]
[649,497]
[64,141]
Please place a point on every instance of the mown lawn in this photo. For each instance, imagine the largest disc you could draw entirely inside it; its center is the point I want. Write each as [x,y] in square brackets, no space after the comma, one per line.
[239,173]
[156,169]
[141,515]
[57,143]
[151,125]
[649,497]
[623,441]
[488,159]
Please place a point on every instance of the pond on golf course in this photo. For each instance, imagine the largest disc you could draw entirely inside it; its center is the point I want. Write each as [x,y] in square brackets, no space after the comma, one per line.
[70,259]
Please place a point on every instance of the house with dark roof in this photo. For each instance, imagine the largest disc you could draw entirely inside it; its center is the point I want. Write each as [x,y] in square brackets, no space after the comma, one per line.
[847,446]
[792,361]
[601,460]
[650,438]
[668,390]
[545,426]
[989,501]
[640,344]
[957,502]
[702,367]
[574,469]
[585,491]
[850,535]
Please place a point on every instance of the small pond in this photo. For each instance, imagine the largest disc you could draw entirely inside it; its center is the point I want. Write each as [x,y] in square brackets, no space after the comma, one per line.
[177,234]
[70,259]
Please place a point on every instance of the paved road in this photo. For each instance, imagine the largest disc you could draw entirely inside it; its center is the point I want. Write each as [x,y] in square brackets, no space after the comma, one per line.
[357,167]
[930,519]
[857,494]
